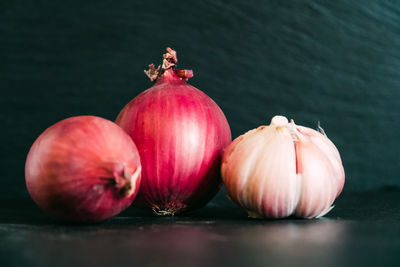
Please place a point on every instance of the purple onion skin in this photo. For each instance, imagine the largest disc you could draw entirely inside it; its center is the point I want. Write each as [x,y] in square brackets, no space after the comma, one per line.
[79,170]
[180,133]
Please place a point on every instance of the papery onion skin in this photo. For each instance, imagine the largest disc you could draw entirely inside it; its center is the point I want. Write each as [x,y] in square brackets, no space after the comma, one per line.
[180,133]
[283,169]
[83,169]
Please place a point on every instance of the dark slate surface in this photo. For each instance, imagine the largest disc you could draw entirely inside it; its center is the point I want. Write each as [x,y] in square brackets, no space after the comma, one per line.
[362,230]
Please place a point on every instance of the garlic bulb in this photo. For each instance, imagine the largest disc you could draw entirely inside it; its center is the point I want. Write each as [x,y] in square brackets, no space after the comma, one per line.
[283,169]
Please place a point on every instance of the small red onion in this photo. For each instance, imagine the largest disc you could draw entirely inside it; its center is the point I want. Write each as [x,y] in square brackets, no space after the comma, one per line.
[180,133]
[83,169]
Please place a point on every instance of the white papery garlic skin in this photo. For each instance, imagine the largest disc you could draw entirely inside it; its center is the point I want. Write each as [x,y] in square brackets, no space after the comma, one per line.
[283,169]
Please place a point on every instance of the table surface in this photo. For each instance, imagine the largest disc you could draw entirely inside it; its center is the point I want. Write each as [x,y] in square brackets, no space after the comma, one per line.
[362,229]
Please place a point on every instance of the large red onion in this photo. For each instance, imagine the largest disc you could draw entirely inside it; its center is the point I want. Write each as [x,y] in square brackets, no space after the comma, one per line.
[180,133]
[83,169]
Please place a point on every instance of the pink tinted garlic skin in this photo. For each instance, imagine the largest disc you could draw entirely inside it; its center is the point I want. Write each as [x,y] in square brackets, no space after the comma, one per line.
[283,169]
[83,169]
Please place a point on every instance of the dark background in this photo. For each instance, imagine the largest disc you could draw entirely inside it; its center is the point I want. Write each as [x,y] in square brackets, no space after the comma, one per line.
[336,62]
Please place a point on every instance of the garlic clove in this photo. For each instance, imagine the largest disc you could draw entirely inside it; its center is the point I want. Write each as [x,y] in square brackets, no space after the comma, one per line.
[329,149]
[238,162]
[320,179]
[259,170]
[276,172]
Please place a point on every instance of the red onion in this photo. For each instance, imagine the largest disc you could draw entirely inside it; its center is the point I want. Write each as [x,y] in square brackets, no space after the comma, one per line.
[83,169]
[180,133]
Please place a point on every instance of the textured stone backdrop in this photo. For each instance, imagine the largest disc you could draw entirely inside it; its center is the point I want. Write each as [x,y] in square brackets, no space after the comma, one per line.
[336,62]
